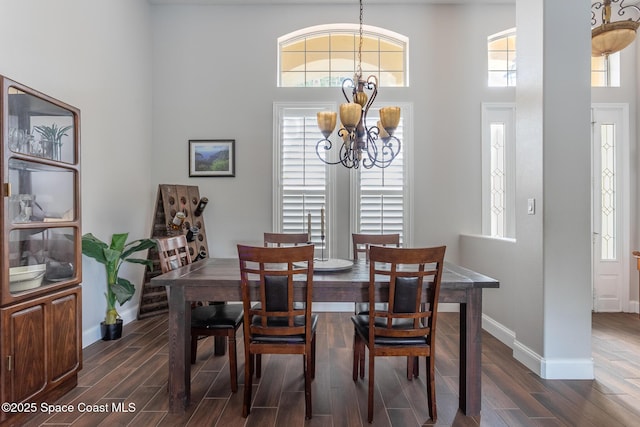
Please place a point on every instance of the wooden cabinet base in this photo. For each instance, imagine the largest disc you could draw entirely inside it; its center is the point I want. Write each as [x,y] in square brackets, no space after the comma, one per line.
[41,348]
[21,418]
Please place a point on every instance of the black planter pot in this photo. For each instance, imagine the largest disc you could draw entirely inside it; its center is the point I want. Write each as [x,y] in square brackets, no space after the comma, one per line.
[111,332]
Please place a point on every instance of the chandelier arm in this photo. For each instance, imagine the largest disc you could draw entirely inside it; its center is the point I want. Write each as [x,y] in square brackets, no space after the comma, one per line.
[348,84]
[623,10]
[594,7]
[390,150]
[327,146]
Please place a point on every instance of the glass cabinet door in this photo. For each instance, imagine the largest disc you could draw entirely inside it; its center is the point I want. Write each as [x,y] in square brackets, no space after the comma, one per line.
[41,179]
[40,128]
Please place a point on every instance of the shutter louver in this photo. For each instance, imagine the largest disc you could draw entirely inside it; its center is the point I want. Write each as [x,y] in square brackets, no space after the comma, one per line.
[303,174]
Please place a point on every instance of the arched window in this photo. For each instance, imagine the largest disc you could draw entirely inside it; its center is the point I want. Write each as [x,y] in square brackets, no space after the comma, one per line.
[501,48]
[324,55]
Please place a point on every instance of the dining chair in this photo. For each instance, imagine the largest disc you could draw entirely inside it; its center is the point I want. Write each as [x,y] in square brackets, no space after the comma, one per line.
[285,239]
[361,244]
[408,326]
[218,320]
[278,324]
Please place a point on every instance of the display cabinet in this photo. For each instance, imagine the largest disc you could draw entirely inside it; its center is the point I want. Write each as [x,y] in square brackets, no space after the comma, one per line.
[40,263]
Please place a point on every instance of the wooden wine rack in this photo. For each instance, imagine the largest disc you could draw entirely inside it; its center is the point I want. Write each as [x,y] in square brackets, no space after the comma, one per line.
[170,200]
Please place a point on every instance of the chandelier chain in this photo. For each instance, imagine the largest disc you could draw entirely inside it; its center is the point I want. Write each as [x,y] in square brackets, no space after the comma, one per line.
[359,69]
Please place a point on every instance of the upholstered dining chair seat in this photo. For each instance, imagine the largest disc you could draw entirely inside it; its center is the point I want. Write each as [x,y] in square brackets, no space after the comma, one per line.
[282,321]
[361,323]
[217,316]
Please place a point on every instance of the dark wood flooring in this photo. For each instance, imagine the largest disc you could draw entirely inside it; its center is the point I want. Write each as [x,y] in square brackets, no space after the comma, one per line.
[133,371]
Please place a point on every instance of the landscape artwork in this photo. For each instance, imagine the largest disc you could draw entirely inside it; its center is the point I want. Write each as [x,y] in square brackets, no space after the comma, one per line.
[212,157]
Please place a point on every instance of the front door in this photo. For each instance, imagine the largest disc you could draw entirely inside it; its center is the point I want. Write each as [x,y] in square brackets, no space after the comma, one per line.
[610,207]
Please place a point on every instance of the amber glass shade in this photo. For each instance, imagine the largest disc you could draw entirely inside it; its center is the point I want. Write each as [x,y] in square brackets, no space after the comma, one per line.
[350,114]
[612,37]
[390,118]
[326,122]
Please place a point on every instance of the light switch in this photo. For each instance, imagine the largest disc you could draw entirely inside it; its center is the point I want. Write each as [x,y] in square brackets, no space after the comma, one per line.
[531,206]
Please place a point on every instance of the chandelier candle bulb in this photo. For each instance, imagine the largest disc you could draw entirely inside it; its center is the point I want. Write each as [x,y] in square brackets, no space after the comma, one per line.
[383,133]
[309,225]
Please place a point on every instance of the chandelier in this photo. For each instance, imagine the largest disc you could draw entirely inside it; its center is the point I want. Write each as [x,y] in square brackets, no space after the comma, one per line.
[361,144]
[610,37]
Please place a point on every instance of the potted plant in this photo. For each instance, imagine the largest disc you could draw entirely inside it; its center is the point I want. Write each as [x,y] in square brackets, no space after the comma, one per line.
[118,289]
[52,135]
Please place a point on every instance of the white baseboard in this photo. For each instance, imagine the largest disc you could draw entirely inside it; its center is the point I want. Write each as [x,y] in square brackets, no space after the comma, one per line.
[566,369]
[634,307]
[93,333]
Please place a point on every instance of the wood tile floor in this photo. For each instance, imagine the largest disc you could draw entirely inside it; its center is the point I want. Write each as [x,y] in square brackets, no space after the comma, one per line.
[133,371]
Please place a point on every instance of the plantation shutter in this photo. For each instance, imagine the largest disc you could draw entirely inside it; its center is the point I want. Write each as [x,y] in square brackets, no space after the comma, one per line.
[303,175]
[382,195]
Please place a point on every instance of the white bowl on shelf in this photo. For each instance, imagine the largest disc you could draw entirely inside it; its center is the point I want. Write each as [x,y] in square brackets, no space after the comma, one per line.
[26,277]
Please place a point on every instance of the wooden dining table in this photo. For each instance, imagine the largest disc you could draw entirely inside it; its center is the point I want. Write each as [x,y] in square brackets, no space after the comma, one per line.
[218,279]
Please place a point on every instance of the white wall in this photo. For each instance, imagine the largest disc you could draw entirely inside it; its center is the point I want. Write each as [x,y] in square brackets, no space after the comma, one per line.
[215,70]
[94,55]
[546,271]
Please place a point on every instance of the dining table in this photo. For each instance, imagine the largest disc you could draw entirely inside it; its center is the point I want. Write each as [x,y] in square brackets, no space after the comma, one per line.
[218,279]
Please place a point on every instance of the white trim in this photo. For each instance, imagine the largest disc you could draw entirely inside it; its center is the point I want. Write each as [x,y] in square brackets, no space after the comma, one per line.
[624,159]
[567,369]
[93,334]
[491,112]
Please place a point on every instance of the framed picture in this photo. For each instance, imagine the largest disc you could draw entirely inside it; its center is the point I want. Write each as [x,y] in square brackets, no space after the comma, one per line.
[212,157]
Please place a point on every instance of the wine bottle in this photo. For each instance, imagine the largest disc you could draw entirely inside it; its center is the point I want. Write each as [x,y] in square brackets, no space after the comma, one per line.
[176,222]
[192,233]
[201,205]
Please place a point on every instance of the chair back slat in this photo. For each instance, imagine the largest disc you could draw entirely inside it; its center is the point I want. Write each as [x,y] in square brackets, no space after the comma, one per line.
[279,271]
[173,252]
[414,277]
[362,242]
[285,239]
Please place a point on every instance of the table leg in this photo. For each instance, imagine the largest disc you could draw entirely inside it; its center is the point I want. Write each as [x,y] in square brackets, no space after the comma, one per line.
[471,353]
[179,331]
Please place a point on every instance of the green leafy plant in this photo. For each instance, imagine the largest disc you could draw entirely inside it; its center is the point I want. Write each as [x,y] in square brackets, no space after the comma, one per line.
[113,256]
[53,132]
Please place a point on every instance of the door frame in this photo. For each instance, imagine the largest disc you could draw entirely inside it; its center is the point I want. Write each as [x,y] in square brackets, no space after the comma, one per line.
[623,195]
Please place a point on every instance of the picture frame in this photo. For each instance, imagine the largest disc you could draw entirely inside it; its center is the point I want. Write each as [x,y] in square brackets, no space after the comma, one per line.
[212,157]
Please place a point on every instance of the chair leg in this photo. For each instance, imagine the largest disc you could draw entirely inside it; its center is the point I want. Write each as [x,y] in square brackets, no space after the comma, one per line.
[248,375]
[362,351]
[313,356]
[410,367]
[431,389]
[371,386]
[194,348]
[416,366]
[356,357]
[307,388]
[233,361]
[258,365]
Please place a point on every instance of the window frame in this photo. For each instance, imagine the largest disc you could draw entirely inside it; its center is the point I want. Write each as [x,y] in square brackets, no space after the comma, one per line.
[351,29]
[491,112]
